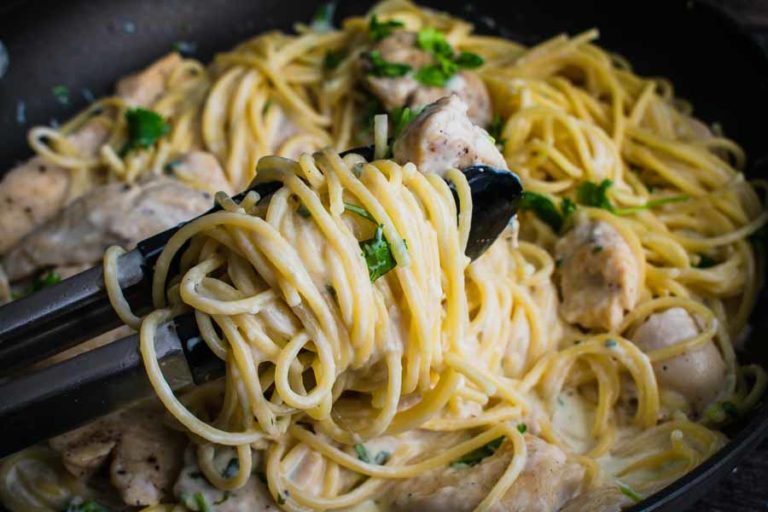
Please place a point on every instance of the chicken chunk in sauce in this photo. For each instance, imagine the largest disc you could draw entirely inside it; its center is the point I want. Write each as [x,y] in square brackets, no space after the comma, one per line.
[116,214]
[599,275]
[145,87]
[443,137]
[700,374]
[145,455]
[545,484]
[406,91]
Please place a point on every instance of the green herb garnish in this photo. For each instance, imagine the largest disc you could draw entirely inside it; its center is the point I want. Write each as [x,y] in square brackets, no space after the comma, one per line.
[378,254]
[522,428]
[546,211]
[382,457]
[333,58]
[402,117]
[469,60]
[86,506]
[322,21]
[630,493]
[360,211]
[233,468]
[61,92]
[495,129]
[596,195]
[282,497]
[50,278]
[202,503]
[434,41]
[378,30]
[474,457]
[362,452]
[224,497]
[385,69]
[145,127]
[303,211]
[433,76]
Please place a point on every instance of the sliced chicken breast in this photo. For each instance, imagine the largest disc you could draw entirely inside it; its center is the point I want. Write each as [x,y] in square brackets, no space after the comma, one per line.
[145,87]
[443,137]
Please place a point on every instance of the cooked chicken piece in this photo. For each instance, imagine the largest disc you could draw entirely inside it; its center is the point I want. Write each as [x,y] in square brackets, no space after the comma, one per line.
[599,275]
[252,497]
[699,375]
[599,499]
[407,92]
[201,170]
[546,483]
[32,192]
[116,214]
[443,137]
[145,454]
[145,87]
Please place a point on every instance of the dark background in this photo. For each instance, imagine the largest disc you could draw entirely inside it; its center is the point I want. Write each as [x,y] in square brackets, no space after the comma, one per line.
[49,45]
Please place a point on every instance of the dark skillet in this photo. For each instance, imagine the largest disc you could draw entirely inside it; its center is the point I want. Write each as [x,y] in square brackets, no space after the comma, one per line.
[86,44]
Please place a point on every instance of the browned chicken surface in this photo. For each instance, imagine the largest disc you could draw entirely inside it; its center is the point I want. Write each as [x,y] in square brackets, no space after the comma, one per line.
[599,275]
[442,137]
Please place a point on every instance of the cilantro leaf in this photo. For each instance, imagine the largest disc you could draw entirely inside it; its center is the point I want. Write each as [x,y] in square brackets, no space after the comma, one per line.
[630,493]
[86,506]
[378,30]
[545,209]
[402,117]
[378,254]
[61,92]
[469,60]
[433,41]
[474,457]
[495,128]
[360,211]
[362,453]
[432,75]
[596,195]
[145,127]
[322,21]
[50,278]
[332,59]
[522,428]
[386,69]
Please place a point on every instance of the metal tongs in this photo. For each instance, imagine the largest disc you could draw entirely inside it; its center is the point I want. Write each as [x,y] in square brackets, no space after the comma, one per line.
[42,403]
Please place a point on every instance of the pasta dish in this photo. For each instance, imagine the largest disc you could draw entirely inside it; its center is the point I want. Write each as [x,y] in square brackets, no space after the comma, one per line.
[586,360]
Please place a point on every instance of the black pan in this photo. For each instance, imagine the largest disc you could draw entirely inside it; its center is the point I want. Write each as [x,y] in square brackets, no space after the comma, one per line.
[87,44]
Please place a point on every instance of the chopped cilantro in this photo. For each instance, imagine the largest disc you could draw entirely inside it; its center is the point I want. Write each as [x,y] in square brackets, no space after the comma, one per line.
[522,428]
[630,493]
[474,457]
[360,211]
[202,503]
[145,127]
[495,129]
[362,453]
[378,254]
[61,92]
[610,343]
[596,195]
[546,211]
[45,280]
[322,21]
[378,30]
[730,409]
[383,68]
[433,41]
[402,117]
[433,76]
[469,60]
[333,58]
[233,468]
[85,506]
